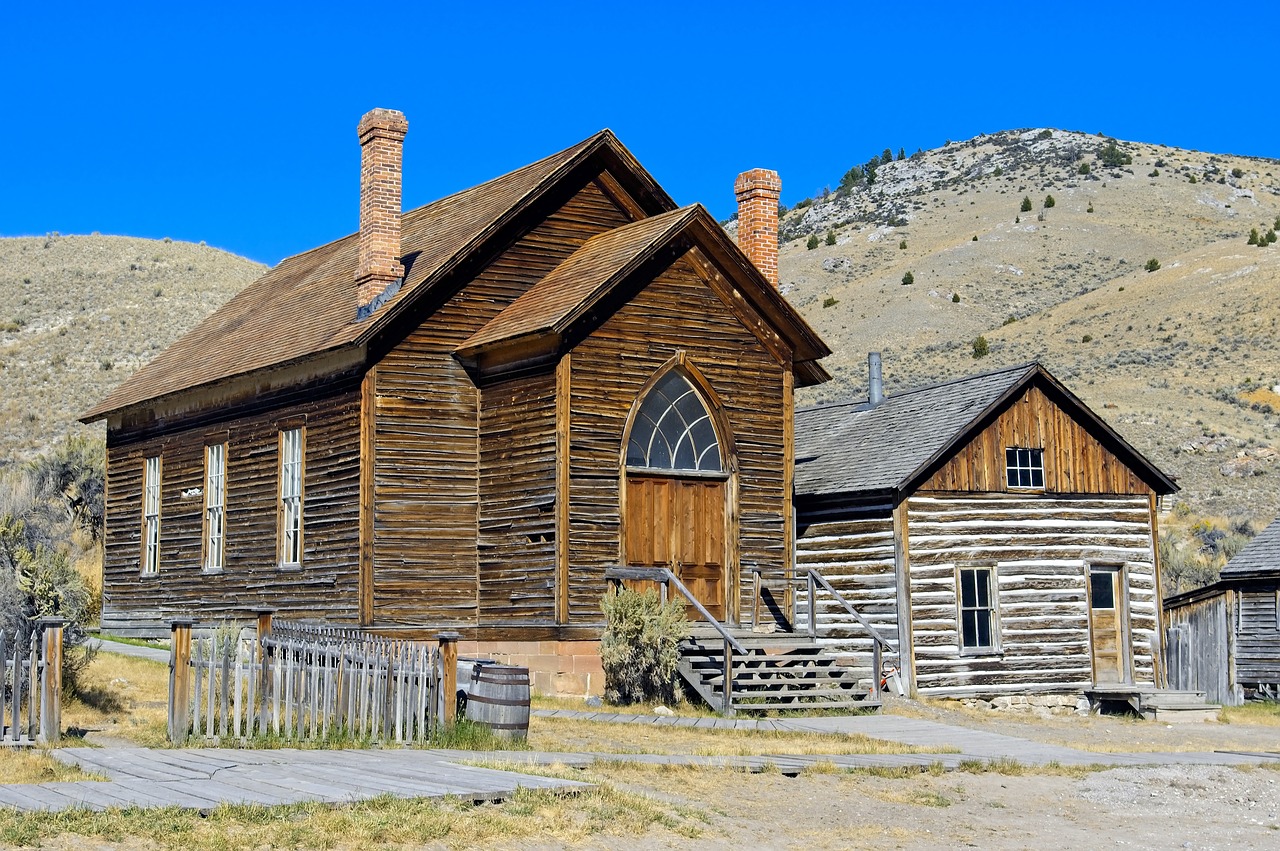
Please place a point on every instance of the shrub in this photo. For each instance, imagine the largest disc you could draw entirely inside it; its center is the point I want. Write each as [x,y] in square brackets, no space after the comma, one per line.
[1152,265]
[903,245]
[1026,204]
[1089,209]
[975,238]
[106,365]
[1017,220]
[1253,237]
[998,172]
[980,347]
[1271,236]
[1155,172]
[640,646]
[955,298]
[1084,169]
[908,279]
[1010,320]
[1048,201]
[831,237]
[830,301]
[1045,134]
[1112,156]
[1237,173]
[1087,338]
[807,202]
[813,242]
[1192,179]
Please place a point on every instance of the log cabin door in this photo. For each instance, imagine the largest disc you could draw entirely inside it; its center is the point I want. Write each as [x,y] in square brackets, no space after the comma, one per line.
[1108,624]
[676,488]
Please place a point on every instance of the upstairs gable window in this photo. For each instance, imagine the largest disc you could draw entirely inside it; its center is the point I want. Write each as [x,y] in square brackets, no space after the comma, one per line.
[673,430]
[1024,467]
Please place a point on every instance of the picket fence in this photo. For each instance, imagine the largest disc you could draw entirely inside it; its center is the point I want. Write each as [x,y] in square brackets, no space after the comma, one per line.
[31,687]
[306,682]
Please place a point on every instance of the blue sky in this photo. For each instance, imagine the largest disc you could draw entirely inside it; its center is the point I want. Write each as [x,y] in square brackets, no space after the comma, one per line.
[234,123]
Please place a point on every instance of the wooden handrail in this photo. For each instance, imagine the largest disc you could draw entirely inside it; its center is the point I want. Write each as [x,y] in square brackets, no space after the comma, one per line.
[814,577]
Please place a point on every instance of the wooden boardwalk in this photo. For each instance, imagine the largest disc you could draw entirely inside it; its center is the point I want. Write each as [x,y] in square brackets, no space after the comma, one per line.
[203,778]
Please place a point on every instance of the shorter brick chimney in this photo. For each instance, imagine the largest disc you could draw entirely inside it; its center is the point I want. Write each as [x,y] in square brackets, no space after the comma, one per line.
[381,134]
[758,191]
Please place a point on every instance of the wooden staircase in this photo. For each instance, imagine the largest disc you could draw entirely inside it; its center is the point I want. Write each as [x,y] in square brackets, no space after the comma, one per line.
[776,672]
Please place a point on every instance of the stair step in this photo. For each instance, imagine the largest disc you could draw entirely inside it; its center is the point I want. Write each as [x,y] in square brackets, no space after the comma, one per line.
[834,704]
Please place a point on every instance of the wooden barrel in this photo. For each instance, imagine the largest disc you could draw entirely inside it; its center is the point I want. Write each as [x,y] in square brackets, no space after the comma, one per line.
[499,700]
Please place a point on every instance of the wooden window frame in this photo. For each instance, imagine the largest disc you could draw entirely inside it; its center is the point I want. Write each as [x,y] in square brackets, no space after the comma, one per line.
[152,487]
[1031,468]
[213,558]
[992,608]
[290,524]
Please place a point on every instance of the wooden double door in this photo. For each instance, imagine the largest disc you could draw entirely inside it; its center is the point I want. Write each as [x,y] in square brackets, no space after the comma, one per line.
[679,522]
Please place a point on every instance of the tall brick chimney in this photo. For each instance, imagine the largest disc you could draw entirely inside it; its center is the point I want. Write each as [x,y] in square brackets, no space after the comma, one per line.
[382,134]
[758,191]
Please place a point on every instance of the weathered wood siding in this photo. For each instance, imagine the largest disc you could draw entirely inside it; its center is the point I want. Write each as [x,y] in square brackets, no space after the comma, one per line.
[325,586]
[1201,634]
[855,553]
[1074,460]
[517,547]
[428,446]
[1258,636]
[676,312]
[1040,546]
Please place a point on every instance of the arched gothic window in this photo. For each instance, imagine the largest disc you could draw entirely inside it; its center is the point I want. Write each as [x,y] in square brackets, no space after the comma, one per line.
[673,429]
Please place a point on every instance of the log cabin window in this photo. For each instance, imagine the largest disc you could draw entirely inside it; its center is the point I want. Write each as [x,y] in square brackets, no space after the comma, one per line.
[978,632]
[1024,467]
[673,430]
[151,516]
[290,509]
[215,506]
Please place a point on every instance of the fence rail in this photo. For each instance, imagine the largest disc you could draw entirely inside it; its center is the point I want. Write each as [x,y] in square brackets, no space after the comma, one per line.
[295,682]
[31,687]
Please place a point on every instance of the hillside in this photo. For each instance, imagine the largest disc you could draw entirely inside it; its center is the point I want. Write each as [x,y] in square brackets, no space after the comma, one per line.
[1182,360]
[78,314]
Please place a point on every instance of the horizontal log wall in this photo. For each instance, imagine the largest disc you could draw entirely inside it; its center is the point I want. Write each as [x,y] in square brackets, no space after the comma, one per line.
[517,501]
[428,454]
[1258,638]
[1040,546]
[325,586]
[1074,460]
[676,312]
[855,554]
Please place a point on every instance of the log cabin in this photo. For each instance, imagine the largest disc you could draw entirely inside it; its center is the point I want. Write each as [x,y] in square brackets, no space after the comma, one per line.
[1224,639]
[458,417]
[993,529]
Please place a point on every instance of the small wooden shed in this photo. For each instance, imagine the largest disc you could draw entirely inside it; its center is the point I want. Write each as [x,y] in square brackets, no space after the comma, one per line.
[1001,534]
[1224,639]
[458,418]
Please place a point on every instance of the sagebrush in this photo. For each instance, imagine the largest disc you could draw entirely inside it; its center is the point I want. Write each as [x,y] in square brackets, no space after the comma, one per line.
[640,646]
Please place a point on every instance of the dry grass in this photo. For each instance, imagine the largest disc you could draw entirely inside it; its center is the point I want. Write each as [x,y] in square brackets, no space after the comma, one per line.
[35,765]
[569,735]
[125,698]
[1264,713]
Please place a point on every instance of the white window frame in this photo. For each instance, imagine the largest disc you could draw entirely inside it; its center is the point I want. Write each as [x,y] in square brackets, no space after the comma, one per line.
[291,495]
[152,473]
[992,610]
[215,507]
[1028,460]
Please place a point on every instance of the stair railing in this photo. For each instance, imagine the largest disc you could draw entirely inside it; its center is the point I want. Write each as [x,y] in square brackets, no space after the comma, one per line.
[666,580]
[814,579]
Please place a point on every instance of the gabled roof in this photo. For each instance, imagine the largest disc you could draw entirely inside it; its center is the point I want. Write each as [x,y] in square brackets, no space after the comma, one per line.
[573,289]
[1260,556]
[307,305]
[853,448]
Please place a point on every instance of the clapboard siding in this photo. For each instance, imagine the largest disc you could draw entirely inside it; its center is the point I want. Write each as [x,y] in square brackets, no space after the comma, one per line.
[1258,637]
[1040,546]
[325,584]
[428,453]
[855,554]
[517,548]
[1075,461]
[675,312]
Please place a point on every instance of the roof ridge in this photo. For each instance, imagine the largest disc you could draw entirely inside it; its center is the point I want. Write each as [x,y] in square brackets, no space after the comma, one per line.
[924,388]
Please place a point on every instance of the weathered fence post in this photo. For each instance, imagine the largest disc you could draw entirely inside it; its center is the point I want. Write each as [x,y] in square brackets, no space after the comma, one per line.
[449,676]
[51,682]
[179,680]
[264,681]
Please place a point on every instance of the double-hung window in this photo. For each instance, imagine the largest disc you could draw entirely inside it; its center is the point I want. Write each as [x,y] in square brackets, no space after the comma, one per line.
[215,507]
[290,512]
[1024,467]
[978,628]
[151,516]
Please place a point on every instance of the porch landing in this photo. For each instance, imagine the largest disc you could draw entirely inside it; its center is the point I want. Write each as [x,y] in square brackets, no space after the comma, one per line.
[1170,706]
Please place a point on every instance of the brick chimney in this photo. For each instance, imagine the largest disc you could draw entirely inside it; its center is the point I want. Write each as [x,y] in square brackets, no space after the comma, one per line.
[382,134]
[758,191]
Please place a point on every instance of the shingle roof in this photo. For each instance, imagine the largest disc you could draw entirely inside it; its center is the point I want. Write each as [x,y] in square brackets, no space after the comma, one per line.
[307,304]
[851,448]
[1261,555]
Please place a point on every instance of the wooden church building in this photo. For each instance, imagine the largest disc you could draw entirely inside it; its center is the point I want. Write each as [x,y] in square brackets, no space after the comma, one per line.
[459,416]
[993,529]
